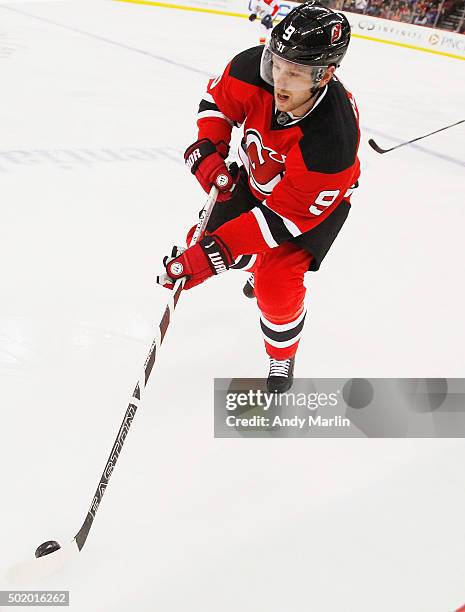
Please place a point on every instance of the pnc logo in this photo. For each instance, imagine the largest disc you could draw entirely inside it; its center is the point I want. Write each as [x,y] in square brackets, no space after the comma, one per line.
[434,39]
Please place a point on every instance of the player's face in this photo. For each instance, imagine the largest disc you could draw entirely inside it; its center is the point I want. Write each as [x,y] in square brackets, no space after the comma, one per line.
[292,85]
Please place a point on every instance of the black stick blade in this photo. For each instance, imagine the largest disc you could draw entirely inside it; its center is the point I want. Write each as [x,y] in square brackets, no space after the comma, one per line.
[378,149]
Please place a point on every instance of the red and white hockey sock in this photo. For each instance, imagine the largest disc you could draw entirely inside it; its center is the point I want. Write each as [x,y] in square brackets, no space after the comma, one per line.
[282,339]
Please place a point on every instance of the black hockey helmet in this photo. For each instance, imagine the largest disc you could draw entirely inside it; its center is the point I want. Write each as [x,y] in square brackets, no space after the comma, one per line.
[311,34]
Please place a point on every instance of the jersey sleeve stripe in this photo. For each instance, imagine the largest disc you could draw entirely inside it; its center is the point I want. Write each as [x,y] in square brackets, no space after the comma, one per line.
[208,97]
[212,113]
[292,227]
[207,105]
[264,229]
[276,225]
[243,262]
[210,109]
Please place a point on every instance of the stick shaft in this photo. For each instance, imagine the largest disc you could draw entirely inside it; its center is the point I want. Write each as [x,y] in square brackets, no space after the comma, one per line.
[378,149]
[131,410]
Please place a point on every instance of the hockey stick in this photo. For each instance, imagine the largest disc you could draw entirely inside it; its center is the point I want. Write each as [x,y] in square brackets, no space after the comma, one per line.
[378,149]
[50,556]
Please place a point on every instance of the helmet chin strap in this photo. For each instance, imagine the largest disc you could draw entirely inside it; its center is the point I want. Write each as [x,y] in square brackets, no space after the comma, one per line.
[313,92]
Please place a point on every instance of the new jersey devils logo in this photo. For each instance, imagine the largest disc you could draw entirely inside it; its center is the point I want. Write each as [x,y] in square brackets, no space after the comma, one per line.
[336,33]
[265,166]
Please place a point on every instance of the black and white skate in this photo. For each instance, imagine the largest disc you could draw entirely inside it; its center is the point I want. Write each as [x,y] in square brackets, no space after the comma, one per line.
[281,375]
[249,288]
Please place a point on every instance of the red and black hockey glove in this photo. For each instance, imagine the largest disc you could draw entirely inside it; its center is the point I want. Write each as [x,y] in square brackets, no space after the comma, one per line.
[208,257]
[209,168]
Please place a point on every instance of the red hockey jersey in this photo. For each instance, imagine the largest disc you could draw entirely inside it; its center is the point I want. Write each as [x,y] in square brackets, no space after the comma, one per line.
[300,171]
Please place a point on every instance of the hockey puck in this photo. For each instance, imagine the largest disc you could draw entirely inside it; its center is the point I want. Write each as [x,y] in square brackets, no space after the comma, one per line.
[47,548]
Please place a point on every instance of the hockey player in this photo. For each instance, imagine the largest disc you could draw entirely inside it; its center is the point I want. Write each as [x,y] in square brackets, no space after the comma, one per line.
[266,11]
[278,216]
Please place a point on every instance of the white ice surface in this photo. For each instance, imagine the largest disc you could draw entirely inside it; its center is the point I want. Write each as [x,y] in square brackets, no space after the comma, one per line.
[98,113]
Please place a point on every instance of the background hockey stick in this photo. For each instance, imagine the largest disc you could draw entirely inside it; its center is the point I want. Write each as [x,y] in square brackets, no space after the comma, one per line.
[378,149]
[49,555]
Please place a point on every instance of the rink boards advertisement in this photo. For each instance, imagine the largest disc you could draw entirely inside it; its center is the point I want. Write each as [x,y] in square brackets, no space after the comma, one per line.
[421,38]
[406,34]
